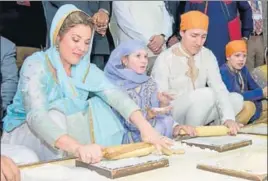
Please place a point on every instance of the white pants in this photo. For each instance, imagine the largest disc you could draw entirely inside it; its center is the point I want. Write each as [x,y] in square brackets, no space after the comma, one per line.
[23,135]
[19,154]
[200,107]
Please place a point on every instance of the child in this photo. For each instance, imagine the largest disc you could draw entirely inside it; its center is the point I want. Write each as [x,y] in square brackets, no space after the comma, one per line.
[238,79]
[126,68]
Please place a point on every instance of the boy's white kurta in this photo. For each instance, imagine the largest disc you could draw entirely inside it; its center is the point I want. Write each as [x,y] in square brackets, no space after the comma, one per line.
[195,104]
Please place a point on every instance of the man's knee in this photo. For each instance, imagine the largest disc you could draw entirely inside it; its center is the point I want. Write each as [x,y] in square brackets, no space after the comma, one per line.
[237,102]
[204,95]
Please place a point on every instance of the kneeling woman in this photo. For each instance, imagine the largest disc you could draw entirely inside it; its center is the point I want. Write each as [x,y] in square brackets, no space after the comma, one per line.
[238,79]
[52,98]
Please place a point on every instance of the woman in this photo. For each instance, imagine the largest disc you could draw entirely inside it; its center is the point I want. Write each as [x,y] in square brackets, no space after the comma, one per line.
[126,68]
[52,97]
[238,79]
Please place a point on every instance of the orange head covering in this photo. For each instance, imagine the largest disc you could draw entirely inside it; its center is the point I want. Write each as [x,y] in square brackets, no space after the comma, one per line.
[235,46]
[194,20]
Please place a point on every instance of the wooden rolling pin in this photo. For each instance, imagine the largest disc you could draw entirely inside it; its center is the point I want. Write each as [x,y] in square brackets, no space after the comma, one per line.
[134,150]
[203,131]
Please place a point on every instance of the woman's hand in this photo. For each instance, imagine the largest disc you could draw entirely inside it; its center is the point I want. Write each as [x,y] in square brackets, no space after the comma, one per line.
[89,153]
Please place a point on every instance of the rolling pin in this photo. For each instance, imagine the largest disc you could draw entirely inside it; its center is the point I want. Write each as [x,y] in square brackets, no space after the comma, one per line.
[135,150]
[203,131]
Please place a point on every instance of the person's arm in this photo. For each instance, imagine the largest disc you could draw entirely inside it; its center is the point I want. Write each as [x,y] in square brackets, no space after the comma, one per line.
[245,12]
[160,73]
[9,72]
[126,22]
[33,79]
[214,81]
[227,78]
[167,29]
[255,92]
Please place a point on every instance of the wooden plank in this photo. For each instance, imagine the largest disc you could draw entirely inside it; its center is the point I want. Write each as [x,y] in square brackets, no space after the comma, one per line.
[221,148]
[245,129]
[126,171]
[56,161]
[234,173]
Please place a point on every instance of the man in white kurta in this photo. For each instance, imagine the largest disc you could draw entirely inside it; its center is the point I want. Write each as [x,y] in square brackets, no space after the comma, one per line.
[147,21]
[190,72]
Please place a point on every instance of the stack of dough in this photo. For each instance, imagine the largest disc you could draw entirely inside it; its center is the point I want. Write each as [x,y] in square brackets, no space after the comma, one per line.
[135,150]
[203,131]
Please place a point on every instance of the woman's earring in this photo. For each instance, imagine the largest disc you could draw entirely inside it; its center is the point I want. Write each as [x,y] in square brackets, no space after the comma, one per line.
[57,46]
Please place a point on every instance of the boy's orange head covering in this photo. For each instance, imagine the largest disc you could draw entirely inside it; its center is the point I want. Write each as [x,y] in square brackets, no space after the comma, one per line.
[194,20]
[235,46]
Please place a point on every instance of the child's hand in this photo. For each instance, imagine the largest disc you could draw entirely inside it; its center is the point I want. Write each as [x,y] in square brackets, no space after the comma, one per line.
[165,98]
[189,130]
[162,110]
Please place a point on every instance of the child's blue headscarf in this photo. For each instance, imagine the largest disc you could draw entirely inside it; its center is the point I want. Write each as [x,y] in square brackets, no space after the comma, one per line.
[117,73]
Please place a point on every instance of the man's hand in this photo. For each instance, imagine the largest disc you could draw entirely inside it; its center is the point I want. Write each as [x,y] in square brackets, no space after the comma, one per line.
[9,170]
[101,20]
[233,126]
[156,43]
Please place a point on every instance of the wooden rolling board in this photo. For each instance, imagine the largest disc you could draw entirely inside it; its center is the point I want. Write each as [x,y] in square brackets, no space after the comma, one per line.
[123,171]
[255,129]
[234,173]
[219,143]
[248,165]
[56,161]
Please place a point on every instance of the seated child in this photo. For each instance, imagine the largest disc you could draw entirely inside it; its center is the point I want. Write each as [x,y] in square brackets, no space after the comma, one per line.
[238,79]
[126,68]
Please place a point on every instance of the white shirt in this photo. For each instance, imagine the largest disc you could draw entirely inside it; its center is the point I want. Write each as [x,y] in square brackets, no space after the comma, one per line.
[169,72]
[140,20]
